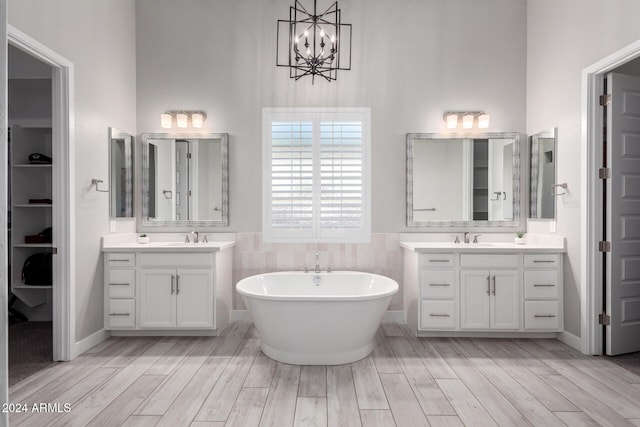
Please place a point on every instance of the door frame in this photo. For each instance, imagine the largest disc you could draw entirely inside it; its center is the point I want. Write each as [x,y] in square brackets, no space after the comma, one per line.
[63,295]
[591,204]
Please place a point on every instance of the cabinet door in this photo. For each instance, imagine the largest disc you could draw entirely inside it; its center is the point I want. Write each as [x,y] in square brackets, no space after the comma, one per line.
[474,299]
[157,299]
[505,299]
[195,298]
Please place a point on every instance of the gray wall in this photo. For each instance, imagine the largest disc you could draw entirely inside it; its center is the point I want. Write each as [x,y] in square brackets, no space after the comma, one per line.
[563,38]
[412,61]
[98,37]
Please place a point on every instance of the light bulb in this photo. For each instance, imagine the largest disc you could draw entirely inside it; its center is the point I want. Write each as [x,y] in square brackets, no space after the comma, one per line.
[165,120]
[467,121]
[296,39]
[197,119]
[182,120]
[321,32]
[483,120]
[452,121]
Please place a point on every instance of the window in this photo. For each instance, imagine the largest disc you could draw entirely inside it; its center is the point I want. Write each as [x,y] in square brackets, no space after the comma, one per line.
[316,175]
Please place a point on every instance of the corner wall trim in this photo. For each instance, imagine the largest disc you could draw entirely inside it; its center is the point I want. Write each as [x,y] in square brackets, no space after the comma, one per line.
[89,342]
[571,340]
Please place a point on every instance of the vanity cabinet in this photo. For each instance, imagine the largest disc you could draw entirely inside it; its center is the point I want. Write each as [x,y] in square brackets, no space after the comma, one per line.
[490,292]
[180,298]
[170,292]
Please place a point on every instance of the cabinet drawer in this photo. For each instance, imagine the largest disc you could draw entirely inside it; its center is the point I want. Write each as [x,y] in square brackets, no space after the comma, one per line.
[437,284]
[437,260]
[438,314]
[176,260]
[542,284]
[121,283]
[489,261]
[541,315]
[542,261]
[121,313]
[116,259]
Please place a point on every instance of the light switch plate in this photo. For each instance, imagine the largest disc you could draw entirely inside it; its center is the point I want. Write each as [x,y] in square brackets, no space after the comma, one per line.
[552,226]
[112,226]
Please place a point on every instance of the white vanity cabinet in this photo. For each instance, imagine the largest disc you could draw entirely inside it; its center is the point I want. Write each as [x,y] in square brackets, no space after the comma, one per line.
[482,291]
[167,291]
[490,298]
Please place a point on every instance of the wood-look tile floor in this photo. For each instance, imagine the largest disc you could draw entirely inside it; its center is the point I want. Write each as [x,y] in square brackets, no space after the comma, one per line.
[406,381]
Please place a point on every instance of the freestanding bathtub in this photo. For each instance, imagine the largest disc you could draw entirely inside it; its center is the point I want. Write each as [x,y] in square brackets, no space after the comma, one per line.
[317,318]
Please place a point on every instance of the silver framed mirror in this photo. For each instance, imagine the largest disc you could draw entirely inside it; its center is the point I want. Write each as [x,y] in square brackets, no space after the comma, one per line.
[185,180]
[462,180]
[542,174]
[121,174]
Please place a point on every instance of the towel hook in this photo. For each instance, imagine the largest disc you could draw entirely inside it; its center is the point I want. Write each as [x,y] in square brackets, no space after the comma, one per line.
[96,182]
[553,187]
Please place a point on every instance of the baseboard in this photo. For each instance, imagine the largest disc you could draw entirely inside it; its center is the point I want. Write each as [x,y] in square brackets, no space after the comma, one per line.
[570,340]
[393,316]
[242,316]
[85,344]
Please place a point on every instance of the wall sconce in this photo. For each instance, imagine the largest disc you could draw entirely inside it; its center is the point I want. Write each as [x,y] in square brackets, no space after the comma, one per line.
[182,119]
[468,119]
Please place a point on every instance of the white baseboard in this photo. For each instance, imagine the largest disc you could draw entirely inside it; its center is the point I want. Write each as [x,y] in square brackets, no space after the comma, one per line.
[393,316]
[244,316]
[570,340]
[89,342]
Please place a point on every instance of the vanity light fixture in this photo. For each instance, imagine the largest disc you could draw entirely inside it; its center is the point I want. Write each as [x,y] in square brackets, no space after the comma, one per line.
[316,44]
[182,119]
[469,118]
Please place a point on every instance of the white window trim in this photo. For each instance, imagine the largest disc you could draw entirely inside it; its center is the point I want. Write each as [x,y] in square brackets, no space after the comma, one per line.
[314,235]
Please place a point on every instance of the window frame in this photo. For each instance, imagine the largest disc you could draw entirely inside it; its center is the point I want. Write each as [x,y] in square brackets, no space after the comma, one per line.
[316,233]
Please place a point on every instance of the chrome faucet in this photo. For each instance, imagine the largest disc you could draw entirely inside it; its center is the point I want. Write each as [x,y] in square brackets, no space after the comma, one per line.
[195,236]
[467,237]
[317,262]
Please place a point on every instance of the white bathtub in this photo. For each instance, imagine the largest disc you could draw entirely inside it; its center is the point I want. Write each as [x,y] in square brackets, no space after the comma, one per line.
[317,318]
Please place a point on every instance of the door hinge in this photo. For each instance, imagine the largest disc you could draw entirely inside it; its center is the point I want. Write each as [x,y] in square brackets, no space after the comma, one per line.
[604,173]
[604,246]
[54,251]
[604,319]
[605,100]
[188,155]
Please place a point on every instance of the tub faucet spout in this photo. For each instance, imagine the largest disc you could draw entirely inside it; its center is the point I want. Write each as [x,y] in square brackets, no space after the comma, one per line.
[317,262]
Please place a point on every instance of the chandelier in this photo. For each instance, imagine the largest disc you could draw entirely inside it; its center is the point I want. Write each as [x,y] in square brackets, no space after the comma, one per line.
[315,45]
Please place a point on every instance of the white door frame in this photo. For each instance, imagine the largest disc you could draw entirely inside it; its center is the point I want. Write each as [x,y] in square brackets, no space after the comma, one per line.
[64,207]
[591,272]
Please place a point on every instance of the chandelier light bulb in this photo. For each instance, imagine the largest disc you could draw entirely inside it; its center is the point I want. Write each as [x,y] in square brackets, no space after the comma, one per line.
[296,39]
[321,32]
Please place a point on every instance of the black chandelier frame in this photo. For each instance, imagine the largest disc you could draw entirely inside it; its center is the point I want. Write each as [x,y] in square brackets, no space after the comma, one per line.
[322,57]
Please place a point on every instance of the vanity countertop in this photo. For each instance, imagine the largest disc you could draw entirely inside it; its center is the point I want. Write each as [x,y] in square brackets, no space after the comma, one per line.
[431,247]
[164,243]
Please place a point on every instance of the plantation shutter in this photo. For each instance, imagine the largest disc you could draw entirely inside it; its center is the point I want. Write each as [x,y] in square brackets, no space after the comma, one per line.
[341,175]
[292,175]
[315,175]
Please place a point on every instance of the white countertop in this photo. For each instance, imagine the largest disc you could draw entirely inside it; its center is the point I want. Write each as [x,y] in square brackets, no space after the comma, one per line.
[164,242]
[487,247]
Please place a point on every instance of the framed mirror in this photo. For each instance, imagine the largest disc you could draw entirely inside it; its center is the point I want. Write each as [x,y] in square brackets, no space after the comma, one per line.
[120,174]
[463,180]
[185,180]
[542,174]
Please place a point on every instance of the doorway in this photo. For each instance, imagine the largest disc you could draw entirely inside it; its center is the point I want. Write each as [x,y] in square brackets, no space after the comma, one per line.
[611,280]
[59,214]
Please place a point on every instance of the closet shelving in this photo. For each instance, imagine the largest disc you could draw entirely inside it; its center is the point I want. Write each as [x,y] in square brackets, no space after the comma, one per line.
[30,182]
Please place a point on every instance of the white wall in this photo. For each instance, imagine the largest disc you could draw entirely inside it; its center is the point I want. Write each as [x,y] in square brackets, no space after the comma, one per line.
[412,61]
[99,38]
[563,38]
